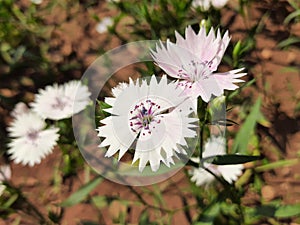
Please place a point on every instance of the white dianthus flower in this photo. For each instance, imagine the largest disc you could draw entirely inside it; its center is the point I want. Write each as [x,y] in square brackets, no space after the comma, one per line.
[213,147]
[152,119]
[31,142]
[58,102]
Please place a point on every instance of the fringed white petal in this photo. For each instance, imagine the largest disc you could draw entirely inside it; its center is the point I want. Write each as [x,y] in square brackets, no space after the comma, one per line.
[153,118]
[213,147]
[58,102]
[231,172]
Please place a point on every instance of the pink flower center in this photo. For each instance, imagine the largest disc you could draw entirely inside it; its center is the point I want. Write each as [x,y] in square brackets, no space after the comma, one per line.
[144,117]
[60,103]
[32,136]
[193,72]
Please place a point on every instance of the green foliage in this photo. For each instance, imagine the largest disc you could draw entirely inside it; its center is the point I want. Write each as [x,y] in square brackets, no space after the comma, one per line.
[295,15]
[287,211]
[82,193]
[240,49]
[209,215]
[242,138]
[20,31]
[273,211]
[24,37]
[6,207]
[277,164]
[288,42]
[233,159]
[100,110]
[157,19]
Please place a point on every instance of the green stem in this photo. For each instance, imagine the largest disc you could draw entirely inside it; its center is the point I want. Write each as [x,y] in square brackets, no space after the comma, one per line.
[202,125]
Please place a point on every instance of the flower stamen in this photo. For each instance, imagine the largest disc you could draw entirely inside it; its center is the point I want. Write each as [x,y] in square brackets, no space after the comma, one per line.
[193,72]
[144,117]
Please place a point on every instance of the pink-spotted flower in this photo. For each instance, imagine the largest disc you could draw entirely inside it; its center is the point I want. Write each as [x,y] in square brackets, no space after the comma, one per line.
[153,119]
[194,60]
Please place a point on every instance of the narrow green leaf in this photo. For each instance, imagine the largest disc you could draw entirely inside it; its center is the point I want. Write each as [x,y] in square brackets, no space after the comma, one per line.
[289,41]
[236,53]
[234,159]
[237,49]
[17,221]
[291,16]
[242,138]
[278,164]
[287,211]
[271,211]
[10,201]
[294,4]
[82,193]
[103,105]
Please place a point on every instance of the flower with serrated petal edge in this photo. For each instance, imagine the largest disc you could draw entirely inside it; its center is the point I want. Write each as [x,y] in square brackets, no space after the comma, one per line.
[58,102]
[214,146]
[31,142]
[194,60]
[153,119]
[206,4]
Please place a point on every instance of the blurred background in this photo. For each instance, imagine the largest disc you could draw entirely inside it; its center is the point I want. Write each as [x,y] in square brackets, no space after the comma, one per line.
[50,41]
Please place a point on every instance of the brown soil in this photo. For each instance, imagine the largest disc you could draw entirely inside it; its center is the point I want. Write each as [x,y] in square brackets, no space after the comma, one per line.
[74,39]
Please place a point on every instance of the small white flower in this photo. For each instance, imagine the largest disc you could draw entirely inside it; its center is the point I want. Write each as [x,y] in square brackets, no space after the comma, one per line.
[37,2]
[153,119]
[215,146]
[5,174]
[104,24]
[206,4]
[58,101]
[30,142]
